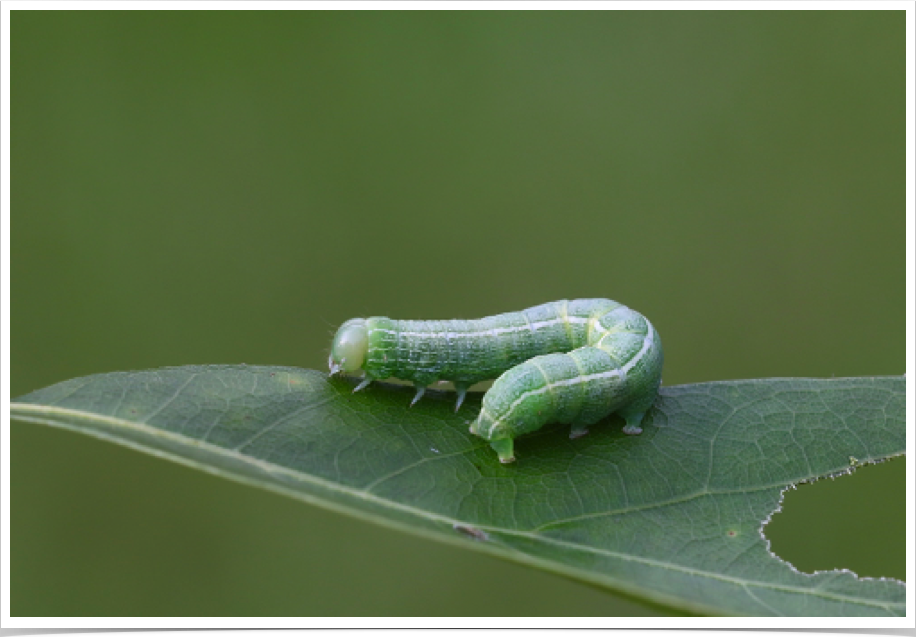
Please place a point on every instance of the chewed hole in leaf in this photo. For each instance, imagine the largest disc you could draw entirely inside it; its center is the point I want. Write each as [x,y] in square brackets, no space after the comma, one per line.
[855,522]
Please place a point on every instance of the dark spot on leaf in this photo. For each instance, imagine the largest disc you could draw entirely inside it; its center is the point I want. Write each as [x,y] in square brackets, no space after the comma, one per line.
[471,532]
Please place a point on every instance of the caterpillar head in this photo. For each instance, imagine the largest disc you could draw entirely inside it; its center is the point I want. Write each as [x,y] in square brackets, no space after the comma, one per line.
[350,346]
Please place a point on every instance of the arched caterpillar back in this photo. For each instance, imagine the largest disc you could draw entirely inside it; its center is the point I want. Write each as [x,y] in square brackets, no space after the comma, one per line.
[573,362]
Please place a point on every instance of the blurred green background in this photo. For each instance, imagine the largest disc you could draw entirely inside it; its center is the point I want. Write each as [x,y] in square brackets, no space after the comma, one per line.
[228,187]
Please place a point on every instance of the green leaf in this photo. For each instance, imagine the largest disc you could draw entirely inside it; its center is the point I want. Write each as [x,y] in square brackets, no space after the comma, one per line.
[672,517]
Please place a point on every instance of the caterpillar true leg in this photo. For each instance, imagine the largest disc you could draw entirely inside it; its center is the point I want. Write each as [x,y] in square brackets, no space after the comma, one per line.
[421,389]
[365,383]
[462,389]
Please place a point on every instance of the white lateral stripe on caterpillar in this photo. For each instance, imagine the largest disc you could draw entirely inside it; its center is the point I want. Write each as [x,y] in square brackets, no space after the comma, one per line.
[560,383]
[495,331]
[646,344]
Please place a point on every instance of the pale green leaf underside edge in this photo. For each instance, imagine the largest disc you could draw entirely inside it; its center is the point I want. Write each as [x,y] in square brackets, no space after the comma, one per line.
[672,516]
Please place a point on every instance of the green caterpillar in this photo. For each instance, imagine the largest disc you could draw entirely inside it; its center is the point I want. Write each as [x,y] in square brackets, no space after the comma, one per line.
[573,362]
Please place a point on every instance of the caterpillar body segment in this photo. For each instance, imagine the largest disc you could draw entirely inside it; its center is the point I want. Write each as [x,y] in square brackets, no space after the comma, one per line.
[573,362]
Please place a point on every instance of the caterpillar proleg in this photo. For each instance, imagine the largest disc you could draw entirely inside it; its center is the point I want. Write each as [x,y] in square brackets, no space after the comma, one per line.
[572,362]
